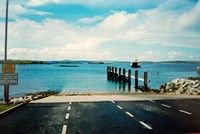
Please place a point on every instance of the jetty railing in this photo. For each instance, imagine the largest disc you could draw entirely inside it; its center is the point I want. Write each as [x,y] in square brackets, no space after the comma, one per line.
[122,77]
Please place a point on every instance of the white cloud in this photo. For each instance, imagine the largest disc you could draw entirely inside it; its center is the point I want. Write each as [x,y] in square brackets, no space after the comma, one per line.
[90,20]
[42,2]
[190,19]
[57,39]
[17,8]
[97,3]
[174,55]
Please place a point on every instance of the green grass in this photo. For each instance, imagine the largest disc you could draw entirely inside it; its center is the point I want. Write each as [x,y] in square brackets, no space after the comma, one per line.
[4,107]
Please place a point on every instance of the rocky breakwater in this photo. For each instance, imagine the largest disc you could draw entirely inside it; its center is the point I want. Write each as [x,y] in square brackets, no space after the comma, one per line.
[182,86]
[32,96]
[25,99]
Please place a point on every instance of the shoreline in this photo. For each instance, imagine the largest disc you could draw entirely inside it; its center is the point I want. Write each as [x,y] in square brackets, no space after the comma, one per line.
[112,97]
[91,96]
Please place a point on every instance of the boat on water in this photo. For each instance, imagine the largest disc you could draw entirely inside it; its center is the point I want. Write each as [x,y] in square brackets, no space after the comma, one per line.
[198,68]
[135,64]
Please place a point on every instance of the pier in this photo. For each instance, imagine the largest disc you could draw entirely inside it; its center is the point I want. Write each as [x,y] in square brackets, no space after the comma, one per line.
[121,76]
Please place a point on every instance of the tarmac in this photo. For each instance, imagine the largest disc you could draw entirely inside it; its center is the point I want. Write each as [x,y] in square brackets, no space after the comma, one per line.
[106,114]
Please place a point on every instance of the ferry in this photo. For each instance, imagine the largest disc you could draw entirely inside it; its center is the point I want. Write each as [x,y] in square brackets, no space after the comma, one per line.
[198,68]
[135,64]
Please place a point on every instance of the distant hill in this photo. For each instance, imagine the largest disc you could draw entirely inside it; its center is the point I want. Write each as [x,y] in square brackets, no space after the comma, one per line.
[85,61]
[196,62]
[24,62]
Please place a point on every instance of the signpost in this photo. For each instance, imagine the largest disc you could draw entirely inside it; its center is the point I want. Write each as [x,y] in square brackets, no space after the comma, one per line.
[8,68]
[8,79]
[8,75]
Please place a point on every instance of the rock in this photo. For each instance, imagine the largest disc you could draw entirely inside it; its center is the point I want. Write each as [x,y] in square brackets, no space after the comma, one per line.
[17,100]
[181,86]
[39,96]
[14,100]
[30,98]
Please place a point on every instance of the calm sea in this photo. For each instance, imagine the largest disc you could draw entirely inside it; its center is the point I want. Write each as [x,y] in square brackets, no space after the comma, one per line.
[91,77]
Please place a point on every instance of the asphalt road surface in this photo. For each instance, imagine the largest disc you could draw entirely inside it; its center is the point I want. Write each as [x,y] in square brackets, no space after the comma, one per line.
[110,117]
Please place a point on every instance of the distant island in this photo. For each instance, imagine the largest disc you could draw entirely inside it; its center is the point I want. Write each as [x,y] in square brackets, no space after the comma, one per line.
[39,62]
[24,62]
[68,66]
[85,62]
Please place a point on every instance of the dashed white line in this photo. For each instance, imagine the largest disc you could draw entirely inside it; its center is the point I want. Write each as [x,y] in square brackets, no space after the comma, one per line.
[185,112]
[119,107]
[67,116]
[70,103]
[112,101]
[69,108]
[145,125]
[129,114]
[64,129]
[166,106]
[152,101]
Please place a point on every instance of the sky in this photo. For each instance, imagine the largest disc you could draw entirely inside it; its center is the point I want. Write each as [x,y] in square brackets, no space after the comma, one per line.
[147,30]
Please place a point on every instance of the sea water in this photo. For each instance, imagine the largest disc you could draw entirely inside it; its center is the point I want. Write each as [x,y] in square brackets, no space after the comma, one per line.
[86,78]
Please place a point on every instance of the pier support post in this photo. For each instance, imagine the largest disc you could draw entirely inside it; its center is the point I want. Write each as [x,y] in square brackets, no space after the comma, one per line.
[124,76]
[145,80]
[116,75]
[112,74]
[129,79]
[120,76]
[136,80]
[109,73]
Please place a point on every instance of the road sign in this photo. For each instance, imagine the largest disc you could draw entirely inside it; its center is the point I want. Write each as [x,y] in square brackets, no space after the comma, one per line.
[8,68]
[8,79]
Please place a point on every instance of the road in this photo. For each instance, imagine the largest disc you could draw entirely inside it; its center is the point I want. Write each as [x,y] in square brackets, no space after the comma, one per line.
[108,117]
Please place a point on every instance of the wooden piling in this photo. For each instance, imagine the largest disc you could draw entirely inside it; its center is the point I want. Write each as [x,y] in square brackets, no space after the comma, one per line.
[124,76]
[115,74]
[120,76]
[112,73]
[136,79]
[129,75]
[145,80]
[129,79]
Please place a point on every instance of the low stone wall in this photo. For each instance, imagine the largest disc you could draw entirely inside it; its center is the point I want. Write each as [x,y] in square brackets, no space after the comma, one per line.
[182,86]
[26,99]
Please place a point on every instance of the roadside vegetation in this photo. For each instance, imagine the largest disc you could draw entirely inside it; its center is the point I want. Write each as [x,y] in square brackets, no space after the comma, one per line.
[4,107]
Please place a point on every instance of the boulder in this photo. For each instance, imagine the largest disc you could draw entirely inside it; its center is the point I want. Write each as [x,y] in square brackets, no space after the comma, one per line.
[181,86]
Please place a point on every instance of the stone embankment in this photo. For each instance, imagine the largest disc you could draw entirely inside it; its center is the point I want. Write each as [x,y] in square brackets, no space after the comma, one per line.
[32,96]
[182,86]
[26,99]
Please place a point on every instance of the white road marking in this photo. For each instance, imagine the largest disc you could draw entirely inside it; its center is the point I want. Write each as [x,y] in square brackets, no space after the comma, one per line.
[119,107]
[112,101]
[145,125]
[69,108]
[152,101]
[185,112]
[129,114]
[70,103]
[166,106]
[64,129]
[67,116]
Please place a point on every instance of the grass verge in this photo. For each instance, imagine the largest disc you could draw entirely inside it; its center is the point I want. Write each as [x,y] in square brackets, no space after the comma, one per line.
[4,107]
